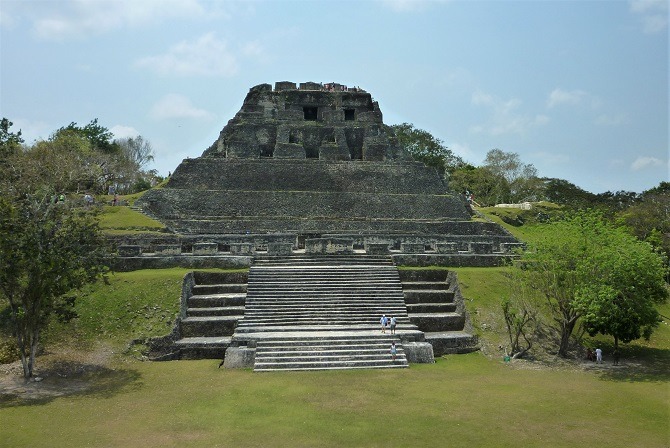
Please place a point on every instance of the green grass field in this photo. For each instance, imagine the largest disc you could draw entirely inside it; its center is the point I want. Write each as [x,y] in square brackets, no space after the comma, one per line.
[462,400]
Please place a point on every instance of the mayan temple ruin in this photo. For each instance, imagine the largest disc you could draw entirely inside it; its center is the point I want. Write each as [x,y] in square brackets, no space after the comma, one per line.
[309,189]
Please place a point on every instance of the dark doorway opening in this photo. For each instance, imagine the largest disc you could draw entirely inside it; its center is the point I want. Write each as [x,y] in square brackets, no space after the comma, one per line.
[310,113]
[349,114]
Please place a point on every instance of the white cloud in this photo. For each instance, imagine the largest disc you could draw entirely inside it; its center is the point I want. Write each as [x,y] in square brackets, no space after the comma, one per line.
[652,13]
[645,162]
[559,97]
[205,56]
[121,131]
[505,119]
[177,106]
[78,18]
[462,151]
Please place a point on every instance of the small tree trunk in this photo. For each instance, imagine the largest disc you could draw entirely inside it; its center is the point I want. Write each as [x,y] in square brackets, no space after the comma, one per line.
[566,331]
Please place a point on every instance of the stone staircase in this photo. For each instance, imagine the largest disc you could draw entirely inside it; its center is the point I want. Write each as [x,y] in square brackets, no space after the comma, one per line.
[212,306]
[322,312]
[435,306]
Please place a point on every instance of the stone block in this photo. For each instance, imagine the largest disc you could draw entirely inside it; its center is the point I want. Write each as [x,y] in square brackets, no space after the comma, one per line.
[130,251]
[334,152]
[243,150]
[310,86]
[333,116]
[329,246]
[412,248]
[481,247]
[377,248]
[241,248]
[239,358]
[289,151]
[280,248]
[289,114]
[447,248]
[205,248]
[374,151]
[168,249]
[284,85]
[418,352]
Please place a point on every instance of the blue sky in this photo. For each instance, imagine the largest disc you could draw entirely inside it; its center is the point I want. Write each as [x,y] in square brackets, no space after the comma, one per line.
[577,88]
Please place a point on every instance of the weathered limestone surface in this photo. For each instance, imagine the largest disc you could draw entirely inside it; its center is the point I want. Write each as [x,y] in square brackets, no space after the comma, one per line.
[239,358]
[308,161]
[419,352]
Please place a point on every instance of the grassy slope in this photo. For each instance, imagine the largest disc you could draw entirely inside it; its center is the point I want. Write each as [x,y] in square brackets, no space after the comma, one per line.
[125,220]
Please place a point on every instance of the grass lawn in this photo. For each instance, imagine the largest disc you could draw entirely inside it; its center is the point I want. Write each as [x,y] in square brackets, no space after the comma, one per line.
[462,400]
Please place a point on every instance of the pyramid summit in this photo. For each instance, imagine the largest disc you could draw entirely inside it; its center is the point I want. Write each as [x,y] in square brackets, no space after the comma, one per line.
[316,161]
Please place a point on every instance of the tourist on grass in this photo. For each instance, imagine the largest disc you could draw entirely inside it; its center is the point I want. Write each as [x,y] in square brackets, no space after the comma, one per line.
[599,355]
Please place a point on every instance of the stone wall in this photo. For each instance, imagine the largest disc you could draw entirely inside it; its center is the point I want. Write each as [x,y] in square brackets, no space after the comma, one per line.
[205,174]
[317,118]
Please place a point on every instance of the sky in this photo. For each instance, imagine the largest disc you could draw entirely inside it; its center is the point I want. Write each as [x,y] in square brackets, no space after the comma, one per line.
[577,88]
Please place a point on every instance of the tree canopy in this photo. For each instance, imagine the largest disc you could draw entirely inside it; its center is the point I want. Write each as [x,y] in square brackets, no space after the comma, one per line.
[46,250]
[426,148]
[587,268]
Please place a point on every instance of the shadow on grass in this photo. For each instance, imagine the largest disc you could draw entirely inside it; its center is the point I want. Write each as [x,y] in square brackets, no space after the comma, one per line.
[637,364]
[86,381]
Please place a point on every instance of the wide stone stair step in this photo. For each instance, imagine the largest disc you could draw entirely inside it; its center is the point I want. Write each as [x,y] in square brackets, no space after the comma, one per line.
[203,347]
[410,286]
[208,326]
[330,353]
[431,322]
[216,311]
[219,289]
[428,296]
[452,342]
[417,308]
[216,300]
[344,259]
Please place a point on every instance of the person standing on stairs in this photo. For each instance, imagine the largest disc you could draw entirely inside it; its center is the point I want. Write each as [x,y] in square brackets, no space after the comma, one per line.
[383,321]
[394,351]
[393,323]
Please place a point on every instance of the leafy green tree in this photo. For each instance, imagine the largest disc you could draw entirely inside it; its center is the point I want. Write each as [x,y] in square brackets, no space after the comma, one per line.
[627,282]
[487,187]
[585,267]
[46,250]
[426,148]
[519,178]
[649,218]
[10,141]
[100,137]
[560,191]
[137,150]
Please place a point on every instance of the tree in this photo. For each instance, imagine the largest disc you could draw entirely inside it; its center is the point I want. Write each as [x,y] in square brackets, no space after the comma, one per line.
[136,149]
[46,250]
[649,218]
[426,148]
[562,192]
[10,142]
[520,178]
[99,136]
[586,266]
[627,283]
[487,187]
